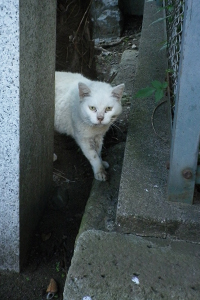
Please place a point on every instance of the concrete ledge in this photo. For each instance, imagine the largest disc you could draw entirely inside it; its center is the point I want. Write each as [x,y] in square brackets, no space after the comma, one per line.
[100,211]
[127,71]
[142,205]
[113,266]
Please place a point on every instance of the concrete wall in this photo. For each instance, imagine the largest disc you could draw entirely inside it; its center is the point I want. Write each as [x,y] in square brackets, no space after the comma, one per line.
[27,64]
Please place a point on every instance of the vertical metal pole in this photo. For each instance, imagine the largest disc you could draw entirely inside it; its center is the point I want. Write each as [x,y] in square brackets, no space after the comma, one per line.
[186,128]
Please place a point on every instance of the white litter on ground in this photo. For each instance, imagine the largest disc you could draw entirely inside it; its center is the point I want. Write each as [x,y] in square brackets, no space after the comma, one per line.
[135,279]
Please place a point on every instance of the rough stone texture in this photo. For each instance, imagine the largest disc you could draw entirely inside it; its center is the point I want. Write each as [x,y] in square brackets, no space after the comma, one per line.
[132,7]
[27,61]
[107,19]
[101,214]
[9,131]
[113,266]
[142,205]
[126,72]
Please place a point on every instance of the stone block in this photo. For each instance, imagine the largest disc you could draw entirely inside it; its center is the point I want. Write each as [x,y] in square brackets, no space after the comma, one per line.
[27,64]
[107,19]
[127,69]
[119,266]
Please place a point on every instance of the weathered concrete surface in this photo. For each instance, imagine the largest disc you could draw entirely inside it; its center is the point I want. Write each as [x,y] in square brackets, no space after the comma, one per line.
[27,67]
[142,205]
[100,210]
[127,70]
[109,265]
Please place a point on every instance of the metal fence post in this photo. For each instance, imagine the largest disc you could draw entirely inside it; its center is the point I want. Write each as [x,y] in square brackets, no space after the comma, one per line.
[186,127]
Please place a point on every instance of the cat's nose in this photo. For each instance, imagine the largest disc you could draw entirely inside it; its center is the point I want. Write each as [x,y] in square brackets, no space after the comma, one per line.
[100,118]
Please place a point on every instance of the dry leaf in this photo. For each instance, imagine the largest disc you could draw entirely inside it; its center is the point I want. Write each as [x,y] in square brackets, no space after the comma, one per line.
[52,287]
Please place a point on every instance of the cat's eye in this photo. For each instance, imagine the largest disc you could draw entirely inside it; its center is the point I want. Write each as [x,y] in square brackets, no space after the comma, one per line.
[109,108]
[93,108]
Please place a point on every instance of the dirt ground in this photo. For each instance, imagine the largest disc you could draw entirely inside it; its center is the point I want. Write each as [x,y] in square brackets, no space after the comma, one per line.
[53,242]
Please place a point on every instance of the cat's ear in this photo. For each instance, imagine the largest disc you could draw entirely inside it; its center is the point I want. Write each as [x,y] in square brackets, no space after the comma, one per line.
[118,91]
[84,90]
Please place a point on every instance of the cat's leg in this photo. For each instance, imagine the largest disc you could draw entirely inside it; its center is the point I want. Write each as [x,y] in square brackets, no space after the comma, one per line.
[90,152]
[98,144]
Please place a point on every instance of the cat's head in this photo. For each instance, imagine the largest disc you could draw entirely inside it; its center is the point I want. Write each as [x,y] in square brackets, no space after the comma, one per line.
[100,103]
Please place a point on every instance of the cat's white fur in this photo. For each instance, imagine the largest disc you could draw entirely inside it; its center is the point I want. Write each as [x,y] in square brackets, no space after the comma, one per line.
[83,110]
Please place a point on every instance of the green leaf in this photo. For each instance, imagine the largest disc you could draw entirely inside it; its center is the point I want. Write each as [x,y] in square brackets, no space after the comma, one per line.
[146,92]
[170,8]
[159,94]
[157,84]
[159,20]
[164,85]
[169,71]
[164,46]
[58,267]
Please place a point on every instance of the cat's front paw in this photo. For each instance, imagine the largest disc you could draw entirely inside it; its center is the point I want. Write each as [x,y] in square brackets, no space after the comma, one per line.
[101,175]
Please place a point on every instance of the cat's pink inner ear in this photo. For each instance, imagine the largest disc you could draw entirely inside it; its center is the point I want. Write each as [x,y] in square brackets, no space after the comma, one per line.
[84,90]
[117,91]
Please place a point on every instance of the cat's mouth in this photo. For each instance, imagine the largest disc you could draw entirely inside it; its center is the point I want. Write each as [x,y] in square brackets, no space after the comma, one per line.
[99,124]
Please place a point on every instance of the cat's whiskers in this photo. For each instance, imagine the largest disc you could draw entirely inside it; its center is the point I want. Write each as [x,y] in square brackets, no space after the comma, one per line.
[114,125]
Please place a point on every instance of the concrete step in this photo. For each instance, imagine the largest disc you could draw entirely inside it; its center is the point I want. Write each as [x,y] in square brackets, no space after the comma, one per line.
[126,71]
[115,266]
[142,204]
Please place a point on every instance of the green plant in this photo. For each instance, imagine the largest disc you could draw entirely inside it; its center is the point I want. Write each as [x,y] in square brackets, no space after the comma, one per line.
[58,267]
[163,45]
[126,39]
[157,88]
[170,13]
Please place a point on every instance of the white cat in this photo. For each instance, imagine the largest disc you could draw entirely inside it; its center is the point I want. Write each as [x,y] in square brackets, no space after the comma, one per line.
[85,109]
